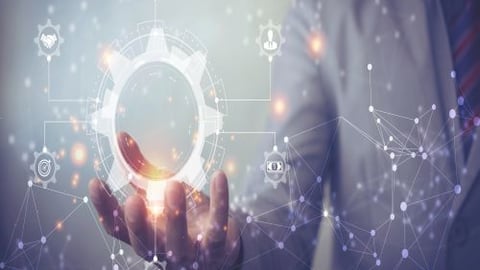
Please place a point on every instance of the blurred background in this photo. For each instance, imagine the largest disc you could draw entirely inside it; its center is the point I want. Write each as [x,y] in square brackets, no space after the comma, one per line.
[72,239]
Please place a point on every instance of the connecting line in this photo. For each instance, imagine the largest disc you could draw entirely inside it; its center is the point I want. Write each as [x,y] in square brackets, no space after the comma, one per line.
[155,12]
[256,99]
[51,100]
[253,132]
[58,122]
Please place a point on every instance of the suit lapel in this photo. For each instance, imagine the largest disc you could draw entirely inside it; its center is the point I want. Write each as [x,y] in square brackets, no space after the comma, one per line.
[446,88]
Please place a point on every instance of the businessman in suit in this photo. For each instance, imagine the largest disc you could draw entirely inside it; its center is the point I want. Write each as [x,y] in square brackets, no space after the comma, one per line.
[382,121]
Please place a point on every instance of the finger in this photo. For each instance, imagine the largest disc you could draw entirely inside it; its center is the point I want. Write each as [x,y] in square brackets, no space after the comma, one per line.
[139,228]
[110,212]
[176,222]
[218,217]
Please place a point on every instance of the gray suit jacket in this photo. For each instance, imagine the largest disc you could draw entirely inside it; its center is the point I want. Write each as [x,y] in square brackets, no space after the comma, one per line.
[401,194]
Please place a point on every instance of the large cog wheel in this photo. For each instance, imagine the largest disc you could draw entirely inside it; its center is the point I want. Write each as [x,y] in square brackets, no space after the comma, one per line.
[48,40]
[44,167]
[275,167]
[210,120]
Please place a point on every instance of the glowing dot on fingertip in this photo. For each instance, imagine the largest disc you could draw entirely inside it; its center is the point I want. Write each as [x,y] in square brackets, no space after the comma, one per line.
[452,113]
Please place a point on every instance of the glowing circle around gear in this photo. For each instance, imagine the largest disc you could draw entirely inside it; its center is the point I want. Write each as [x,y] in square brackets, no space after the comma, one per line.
[158,110]
[155,116]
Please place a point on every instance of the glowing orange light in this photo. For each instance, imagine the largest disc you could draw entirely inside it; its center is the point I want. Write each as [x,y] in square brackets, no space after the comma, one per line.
[279,107]
[79,154]
[316,45]
[231,166]
[75,180]
[106,58]
[75,124]
[59,225]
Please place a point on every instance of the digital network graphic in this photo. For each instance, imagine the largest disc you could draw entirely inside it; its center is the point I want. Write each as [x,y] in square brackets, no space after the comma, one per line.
[158,82]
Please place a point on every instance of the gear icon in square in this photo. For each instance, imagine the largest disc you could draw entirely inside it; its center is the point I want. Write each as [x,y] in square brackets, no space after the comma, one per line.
[270,40]
[44,167]
[275,167]
[48,40]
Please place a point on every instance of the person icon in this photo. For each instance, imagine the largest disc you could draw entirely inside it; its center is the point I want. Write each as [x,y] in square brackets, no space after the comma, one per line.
[270,44]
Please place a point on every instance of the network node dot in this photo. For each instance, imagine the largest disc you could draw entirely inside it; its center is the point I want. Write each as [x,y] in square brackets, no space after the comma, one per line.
[319,179]
[302,198]
[416,120]
[344,248]
[43,240]
[392,155]
[392,216]
[280,245]
[413,154]
[20,245]
[453,74]
[325,213]
[378,262]
[155,258]
[217,100]
[452,113]
[390,138]
[85,199]
[293,228]
[434,107]
[476,121]
[370,108]
[372,233]
[2,265]
[249,219]
[404,253]
[369,67]
[285,139]
[120,252]
[424,156]
[394,167]
[30,183]
[403,206]
[275,148]
[112,256]
[457,189]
